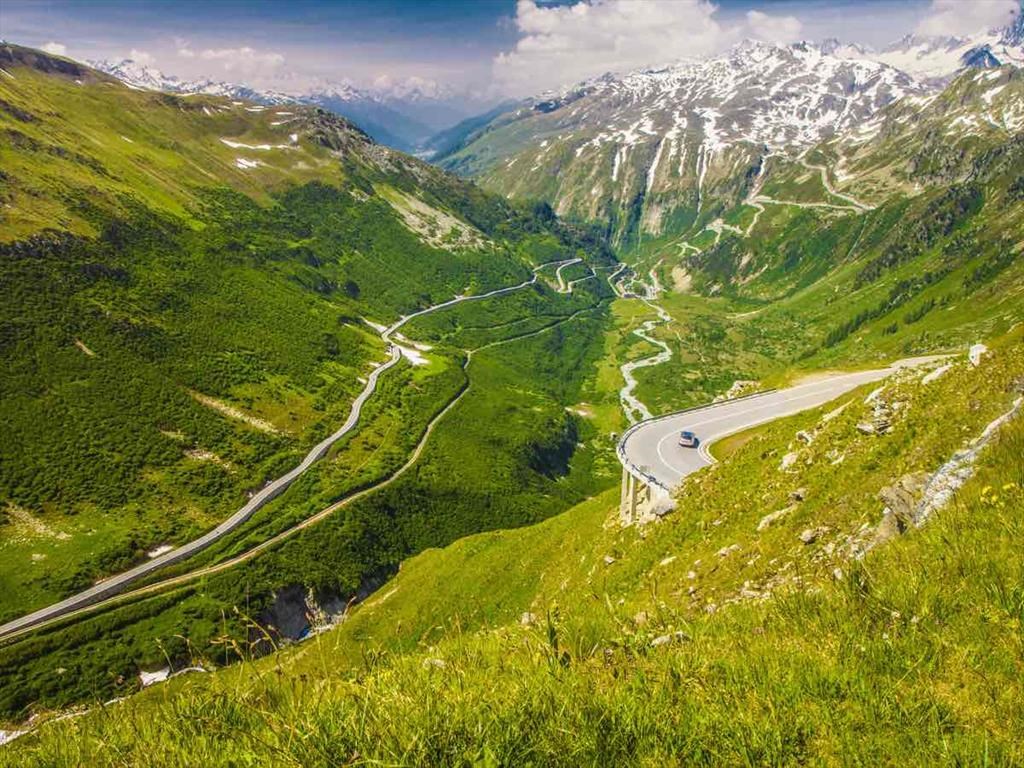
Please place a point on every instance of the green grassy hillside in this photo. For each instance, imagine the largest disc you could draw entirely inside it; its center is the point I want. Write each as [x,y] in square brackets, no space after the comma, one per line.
[199,305]
[187,285]
[823,635]
[193,295]
[928,262]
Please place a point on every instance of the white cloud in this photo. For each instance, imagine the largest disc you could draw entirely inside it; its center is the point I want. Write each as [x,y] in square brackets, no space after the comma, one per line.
[57,49]
[244,59]
[773,29]
[560,45]
[141,57]
[409,87]
[183,48]
[963,17]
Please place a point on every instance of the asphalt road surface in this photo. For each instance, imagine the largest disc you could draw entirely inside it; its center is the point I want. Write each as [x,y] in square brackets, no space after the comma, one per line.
[651,449]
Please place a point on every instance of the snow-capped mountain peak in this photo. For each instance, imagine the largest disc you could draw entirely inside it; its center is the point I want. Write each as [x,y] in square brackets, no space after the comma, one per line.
[833,47]
[926,44]
[1013,35]
[342,90]
[938,59]
[657,140]
[779,95]
[137,75]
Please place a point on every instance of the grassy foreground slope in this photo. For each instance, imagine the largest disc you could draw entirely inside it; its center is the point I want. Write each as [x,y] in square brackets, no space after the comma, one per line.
[779,615]
[187,285]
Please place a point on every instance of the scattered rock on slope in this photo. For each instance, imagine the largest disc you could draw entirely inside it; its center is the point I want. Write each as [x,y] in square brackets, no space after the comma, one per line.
[773,517]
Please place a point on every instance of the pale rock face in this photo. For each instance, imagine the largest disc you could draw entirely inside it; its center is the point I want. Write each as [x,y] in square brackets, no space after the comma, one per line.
[975,354]
[675,637]
[151,677]
[726,551]
[811,535]
[936,374]
[901,500]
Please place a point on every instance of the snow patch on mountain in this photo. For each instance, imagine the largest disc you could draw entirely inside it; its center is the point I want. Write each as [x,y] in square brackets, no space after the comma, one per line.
[143,76]
[936,60]
[758,93]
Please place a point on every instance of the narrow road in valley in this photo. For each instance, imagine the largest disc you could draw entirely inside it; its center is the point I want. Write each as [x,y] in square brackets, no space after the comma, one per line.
[573,283]
[827,183]
[271,490]
[635,409]
[651,449]
[632,406]
[563,287]
[613,280]
[117,583]
[761,199]
[176,581]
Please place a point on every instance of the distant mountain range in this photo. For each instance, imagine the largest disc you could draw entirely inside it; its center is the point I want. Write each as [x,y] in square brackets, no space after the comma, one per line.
[403,115]
[937,59]
[656,150]
[435,121]
[642,150]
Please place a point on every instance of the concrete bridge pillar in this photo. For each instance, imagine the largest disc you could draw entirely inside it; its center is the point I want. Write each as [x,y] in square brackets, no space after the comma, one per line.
[635,494]
[639,500]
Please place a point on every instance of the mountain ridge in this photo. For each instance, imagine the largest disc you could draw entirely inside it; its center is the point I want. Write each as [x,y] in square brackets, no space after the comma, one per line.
[652,146]
[400,114]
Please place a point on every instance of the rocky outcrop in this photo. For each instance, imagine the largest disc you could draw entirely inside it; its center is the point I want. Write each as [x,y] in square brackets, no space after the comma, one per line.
[773,517]
[811,535]
[901,500]
[912,499]
[297,611]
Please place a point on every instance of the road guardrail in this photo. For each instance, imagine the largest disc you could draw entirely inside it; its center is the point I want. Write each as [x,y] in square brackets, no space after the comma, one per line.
[646,477]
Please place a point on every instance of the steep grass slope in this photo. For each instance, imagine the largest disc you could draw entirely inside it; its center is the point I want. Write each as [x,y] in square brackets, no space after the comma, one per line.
[198,305]
[780,615]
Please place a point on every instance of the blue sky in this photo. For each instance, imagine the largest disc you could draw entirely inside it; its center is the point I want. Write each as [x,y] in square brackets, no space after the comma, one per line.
[490,46]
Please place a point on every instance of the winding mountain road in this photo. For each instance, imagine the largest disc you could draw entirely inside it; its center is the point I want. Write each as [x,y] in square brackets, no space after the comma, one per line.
[117,583]
[249,554]
[827,183]
[650,450]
